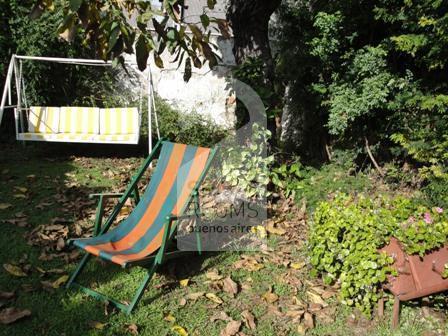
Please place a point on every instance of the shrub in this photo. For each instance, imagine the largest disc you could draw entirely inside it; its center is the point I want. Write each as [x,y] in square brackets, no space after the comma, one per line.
[246,167]
[189,128]
[287,177]
[304,182]
[436,191]
[347,232]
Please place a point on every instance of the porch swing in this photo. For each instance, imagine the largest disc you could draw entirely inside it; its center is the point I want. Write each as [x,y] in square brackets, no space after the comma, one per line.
[118,125]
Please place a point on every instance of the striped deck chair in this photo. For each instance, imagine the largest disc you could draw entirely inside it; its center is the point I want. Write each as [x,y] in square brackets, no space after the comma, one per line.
[143,237]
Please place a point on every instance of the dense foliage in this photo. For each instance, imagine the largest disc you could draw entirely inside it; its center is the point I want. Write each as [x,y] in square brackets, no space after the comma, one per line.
[369,69]
[106,26]
[348,231]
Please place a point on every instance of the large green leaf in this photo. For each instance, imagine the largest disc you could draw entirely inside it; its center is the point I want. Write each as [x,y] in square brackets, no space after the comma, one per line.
[113,36]
[142,52]
[158,60]
[211,4]
[75,5]
[187,71]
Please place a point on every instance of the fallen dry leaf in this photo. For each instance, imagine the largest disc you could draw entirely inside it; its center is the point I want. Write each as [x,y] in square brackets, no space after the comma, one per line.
[295,315]
[4,206]
[248,319]
[60,244]
[179,330]
[308,320]
[19,196]
[51,271]
[28,288]
[270,297]
[14,270]
[10,315]
[314,307]
[230,286]
[231,328]
[221,316]
[259,230]
[42,205]
[6,295]
[297,265]
[328,294]
[169,317]
[213,275]
[194,296]
[132,328]
[184,282]
[60,281]
[271,228]
[97,325]
[20,222]
[315,298]
[23,190]
[248,263]
[274,310]
[326,315]
[301,329]
[214,298]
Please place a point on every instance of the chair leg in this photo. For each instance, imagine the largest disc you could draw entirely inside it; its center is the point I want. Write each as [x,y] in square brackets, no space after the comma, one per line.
[125,308]
[396,313]
[99,216]
[198,239]
[142,288]
[79,269]
[197,208]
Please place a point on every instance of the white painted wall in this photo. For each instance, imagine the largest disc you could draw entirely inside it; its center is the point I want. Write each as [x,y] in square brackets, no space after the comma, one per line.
[206,93]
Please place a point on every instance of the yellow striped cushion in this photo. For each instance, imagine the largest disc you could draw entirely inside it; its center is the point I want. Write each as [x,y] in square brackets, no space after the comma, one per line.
[79,120]
[120,137]
[43,119]
[119,121]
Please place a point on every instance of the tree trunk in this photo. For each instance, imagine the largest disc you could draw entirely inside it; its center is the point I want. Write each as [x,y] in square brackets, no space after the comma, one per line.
[249,20]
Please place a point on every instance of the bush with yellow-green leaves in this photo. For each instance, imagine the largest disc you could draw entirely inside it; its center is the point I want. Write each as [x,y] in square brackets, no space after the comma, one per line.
[347,232]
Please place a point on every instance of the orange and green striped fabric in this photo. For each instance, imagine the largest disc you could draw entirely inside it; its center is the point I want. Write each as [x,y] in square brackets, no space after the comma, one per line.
[178,170]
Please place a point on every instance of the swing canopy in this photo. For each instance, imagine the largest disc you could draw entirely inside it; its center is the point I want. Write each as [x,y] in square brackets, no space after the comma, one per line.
[81,124]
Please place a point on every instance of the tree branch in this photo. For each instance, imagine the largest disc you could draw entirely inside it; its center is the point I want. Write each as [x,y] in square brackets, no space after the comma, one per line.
[372,158]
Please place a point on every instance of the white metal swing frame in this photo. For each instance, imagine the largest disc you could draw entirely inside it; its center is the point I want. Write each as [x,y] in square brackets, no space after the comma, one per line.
[15,72]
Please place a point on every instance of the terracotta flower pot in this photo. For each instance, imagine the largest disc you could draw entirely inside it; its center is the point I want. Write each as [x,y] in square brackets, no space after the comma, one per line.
[417,276]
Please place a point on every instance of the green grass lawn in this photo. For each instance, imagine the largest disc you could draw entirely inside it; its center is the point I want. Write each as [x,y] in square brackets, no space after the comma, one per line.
[43,187]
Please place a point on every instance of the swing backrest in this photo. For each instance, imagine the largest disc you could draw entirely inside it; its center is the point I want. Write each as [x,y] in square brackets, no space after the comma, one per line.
[82,124]
[117,121]
[43,119]
[79,120]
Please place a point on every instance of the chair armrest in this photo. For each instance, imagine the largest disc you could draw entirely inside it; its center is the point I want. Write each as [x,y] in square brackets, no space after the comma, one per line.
[106,195]
[174,218]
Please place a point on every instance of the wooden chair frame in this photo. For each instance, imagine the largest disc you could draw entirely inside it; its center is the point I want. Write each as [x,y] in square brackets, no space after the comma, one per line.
[153,261]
